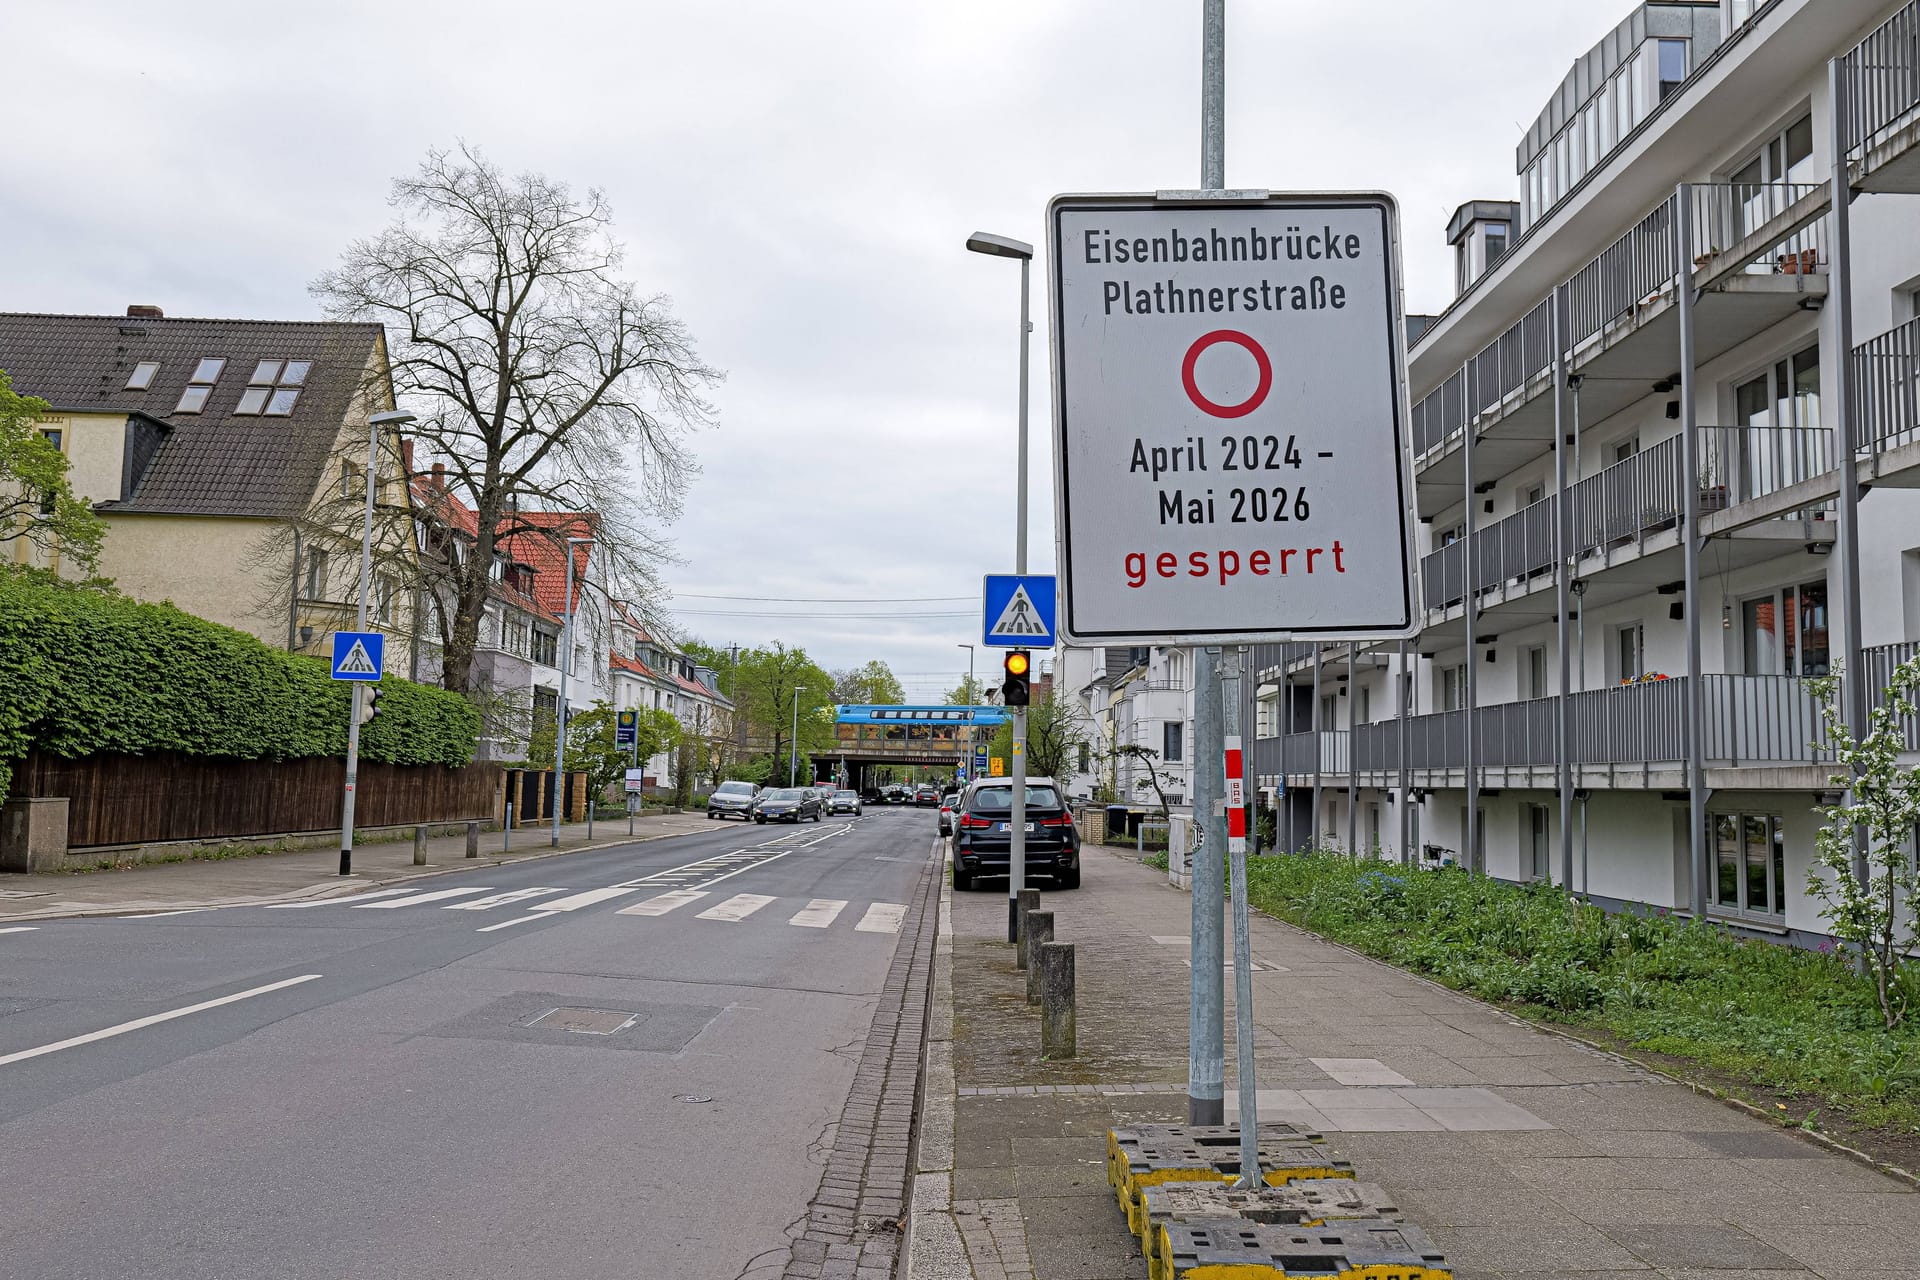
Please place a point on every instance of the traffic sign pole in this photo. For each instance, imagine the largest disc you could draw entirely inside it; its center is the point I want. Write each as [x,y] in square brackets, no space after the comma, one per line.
[366,575]
[1206,1014]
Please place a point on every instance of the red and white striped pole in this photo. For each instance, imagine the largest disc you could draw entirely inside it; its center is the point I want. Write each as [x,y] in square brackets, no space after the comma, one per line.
[1236,797]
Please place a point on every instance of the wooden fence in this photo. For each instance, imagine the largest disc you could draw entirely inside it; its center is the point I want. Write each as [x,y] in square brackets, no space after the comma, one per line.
[125,800]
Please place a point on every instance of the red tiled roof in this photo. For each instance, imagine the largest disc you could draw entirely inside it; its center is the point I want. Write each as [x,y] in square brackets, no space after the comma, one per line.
[623,663]
[536,541]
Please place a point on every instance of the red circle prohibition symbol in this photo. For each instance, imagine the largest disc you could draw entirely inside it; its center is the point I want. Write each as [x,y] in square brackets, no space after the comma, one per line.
[1253,348]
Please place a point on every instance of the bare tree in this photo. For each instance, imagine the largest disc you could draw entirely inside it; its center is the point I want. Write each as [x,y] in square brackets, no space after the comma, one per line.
[538,373]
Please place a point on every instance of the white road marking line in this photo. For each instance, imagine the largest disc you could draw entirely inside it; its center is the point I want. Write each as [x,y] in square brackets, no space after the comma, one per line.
[508,924]
[659,906]
[161,915]
[588,898]
[736,908]
[334,902]
[22,928]
[438,895]
[108,1033]
[819,913]
[500,899]
[882,917]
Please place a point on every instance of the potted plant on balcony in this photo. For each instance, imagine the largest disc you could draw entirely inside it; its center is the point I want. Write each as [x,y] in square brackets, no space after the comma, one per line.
[1713,497]
[1702,260]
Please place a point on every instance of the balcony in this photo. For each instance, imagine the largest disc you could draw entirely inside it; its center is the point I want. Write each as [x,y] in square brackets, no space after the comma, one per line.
[1632,509]
[1761,254]
[1880,79]
[1629,736]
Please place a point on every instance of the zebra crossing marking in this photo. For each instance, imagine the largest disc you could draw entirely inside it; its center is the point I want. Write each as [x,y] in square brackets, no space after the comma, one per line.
[819,913]
[882,917]
[736,908]
[413,900]
[659,906]
[499,899]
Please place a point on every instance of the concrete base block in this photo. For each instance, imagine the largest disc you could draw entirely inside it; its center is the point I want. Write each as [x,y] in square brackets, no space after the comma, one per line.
[33,834]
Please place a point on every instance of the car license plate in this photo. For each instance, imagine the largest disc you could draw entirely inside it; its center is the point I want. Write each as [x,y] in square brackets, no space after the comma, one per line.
[1006,828]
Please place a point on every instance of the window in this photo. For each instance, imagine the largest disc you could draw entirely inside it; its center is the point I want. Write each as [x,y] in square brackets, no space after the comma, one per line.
[1496,245]
[1778,411]
[1173,741]
[316,574]
[1535,494]
[1086,758]
[385,592]
[1626,449]
[1534,672]
[1453,688]
[142,376]
[1328,712]
[1539,861]
[546,648]
[1629,652]
[1750,857]
[1366,705]
[1673,66]
[200,386]
[273,388]
[350,480]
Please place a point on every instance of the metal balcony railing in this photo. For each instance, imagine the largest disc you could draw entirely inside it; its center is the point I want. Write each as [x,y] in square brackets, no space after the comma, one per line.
[1628,500]
[1766,227]
[1632,271]
[1878,664]
[1881,81]
[1739,464]
[1886,381]
[1749,720]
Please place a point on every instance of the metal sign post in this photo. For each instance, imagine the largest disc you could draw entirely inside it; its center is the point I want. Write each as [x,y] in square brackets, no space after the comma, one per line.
[1231,461]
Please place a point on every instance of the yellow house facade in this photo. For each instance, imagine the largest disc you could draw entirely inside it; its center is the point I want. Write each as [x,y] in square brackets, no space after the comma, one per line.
[227,458]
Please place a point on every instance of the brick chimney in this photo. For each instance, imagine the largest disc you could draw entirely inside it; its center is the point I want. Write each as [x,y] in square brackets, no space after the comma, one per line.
[145,311]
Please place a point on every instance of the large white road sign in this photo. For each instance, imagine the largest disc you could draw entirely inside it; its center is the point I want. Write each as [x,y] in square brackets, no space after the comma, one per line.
[1231,421]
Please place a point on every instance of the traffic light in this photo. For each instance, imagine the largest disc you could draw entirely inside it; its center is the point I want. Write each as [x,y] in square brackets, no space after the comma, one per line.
[369,700]
[1014,691]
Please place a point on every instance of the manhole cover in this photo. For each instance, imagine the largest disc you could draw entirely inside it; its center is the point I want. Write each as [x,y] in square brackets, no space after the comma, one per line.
[691,1097]
[586,1022]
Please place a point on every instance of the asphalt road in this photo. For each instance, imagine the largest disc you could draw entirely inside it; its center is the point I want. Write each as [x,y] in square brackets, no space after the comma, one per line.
[617,1063]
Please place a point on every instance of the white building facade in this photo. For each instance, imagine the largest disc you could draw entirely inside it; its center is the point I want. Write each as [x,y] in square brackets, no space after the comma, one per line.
[1670,267]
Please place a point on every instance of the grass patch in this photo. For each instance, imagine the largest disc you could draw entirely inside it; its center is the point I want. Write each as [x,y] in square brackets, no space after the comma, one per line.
[1158,861]
[205,853]
[1783,1019]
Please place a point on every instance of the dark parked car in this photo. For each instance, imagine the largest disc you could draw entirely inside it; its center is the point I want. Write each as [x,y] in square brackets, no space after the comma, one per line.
[927,797]
[787,804]
[983,833]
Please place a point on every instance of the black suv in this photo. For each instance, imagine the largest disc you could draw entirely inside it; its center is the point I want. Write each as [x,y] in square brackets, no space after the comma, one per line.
[983,833]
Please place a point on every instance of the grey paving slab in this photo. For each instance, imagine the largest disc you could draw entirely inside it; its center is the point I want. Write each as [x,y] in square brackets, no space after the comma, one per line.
[1697,1244]
[1359,1071]
[1549,1247]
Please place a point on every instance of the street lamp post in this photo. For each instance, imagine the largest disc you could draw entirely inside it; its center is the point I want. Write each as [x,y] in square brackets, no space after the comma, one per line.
[1006,247]
[396,419]
[971,695]
[560,713]
[793,743]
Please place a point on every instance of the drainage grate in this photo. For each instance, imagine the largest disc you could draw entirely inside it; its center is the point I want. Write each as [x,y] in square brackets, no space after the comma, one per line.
[586,1022]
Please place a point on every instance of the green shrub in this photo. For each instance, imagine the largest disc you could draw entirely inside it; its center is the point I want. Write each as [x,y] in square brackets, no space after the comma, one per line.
[86,672]
[1779,1016]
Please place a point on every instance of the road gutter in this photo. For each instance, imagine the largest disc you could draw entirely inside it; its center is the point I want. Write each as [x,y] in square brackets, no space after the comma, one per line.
[854,1227]
[933,1248]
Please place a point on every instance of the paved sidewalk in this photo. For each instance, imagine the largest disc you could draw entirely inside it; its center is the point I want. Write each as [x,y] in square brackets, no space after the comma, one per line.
[1523,1154]
[301,873]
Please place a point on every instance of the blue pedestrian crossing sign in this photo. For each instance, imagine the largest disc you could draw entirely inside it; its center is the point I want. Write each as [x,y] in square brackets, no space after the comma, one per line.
[1019,610]
[358,655]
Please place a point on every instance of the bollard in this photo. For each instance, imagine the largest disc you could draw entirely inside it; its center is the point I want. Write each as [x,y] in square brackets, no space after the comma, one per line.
[506,832]
[419,846]
[1056,1000]
[1039,934]
[1029,900]
[473,839]
[589,818]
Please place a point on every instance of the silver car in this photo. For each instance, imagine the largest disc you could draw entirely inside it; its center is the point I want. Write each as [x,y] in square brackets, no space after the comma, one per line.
[845,802]
[733,800]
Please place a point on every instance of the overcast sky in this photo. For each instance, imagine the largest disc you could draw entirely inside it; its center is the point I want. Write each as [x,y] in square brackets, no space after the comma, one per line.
[799,178]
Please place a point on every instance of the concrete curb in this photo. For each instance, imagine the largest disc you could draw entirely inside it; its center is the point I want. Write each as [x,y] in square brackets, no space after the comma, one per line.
[933,1248]
[352,884]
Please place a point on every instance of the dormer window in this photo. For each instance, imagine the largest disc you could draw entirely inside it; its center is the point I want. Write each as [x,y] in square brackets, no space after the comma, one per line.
[143,374]
[200,386]
[273,388]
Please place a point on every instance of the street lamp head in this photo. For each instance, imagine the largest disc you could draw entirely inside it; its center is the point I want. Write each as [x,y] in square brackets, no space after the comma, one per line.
[998,246]
[392,418]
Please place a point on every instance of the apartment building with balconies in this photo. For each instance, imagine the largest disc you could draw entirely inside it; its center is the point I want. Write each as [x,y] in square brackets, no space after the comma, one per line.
[1629,447]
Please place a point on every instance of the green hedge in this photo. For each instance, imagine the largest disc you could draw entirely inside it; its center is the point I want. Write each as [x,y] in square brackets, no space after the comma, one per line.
[85,673]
